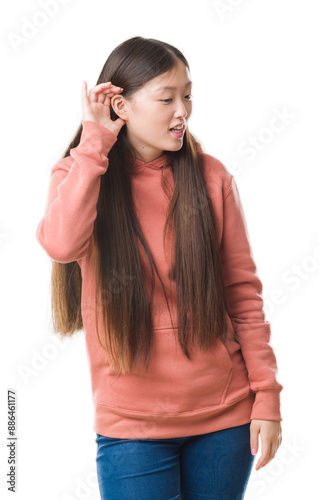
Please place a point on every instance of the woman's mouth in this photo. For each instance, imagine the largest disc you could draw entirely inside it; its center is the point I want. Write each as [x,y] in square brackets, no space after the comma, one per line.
[178,131]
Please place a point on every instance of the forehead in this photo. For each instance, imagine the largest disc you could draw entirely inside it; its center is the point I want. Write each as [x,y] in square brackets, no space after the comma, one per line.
[177,78]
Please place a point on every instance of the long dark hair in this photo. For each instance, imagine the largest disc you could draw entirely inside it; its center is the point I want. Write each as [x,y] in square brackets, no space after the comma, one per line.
[196,265]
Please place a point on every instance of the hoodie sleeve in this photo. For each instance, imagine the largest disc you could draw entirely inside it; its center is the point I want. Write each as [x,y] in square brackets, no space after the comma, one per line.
[244,291]
[68,221]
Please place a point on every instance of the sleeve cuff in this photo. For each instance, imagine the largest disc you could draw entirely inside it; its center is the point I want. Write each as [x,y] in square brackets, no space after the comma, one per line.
[266,405]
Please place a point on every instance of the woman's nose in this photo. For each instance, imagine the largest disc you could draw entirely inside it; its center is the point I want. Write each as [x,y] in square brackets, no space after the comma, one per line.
[181,111]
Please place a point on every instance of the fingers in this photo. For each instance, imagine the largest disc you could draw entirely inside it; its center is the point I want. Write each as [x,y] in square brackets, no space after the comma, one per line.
[84,95]
[266,457]
[105,95]
[103,90]
[254,430]
[100,93]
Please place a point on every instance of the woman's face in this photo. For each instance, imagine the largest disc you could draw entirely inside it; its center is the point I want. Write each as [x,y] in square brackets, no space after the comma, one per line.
[152,111]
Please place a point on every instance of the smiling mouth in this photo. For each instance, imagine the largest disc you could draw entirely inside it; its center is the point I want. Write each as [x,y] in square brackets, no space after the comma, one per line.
[177,129]
[177,133]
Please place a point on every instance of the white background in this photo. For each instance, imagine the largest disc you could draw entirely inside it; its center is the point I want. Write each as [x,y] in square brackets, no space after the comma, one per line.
[249,61]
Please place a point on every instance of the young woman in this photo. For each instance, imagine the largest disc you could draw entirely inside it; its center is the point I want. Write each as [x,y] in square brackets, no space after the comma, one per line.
[151,257]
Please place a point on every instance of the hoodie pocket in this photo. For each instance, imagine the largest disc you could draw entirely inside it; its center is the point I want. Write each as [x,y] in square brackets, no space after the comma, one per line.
[173,383]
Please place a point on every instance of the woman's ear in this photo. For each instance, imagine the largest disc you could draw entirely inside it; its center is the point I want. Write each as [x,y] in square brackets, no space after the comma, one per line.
[119,106]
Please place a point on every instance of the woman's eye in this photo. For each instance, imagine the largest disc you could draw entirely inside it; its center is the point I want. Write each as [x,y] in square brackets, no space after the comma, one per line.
[189,96]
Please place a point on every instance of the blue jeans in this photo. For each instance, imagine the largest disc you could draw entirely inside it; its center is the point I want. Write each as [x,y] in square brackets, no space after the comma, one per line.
[212,466]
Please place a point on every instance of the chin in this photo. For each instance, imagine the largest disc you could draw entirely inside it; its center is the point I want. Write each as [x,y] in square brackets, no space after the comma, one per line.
[175,148]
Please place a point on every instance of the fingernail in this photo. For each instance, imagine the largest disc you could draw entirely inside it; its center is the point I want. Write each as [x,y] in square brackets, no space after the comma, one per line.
[254,451]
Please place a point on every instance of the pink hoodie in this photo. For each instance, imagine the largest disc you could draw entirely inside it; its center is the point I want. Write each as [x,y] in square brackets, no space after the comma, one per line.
[220,388]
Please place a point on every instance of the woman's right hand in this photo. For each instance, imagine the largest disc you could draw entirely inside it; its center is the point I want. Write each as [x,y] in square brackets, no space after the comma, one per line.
[96,105]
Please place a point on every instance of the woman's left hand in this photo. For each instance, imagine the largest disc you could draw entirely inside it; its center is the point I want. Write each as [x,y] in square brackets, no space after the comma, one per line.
[271,437]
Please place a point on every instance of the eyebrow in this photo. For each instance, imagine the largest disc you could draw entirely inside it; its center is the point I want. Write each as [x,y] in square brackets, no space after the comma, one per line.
[173,88]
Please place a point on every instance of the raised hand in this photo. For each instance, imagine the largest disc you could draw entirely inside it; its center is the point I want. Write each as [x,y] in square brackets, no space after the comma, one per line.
[96,105]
